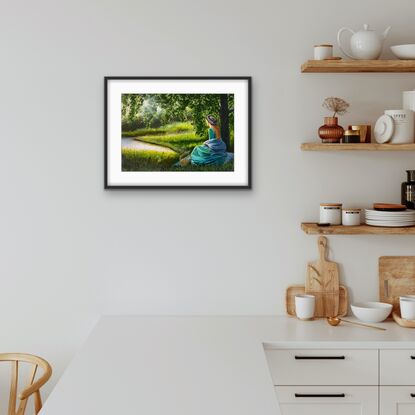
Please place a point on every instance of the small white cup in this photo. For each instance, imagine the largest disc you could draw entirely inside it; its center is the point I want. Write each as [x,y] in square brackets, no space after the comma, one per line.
[304,306]
[322,52]
[407,304]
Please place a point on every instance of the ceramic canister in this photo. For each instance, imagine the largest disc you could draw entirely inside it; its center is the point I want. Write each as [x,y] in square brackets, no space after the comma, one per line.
[331,213]
[403,126]
[322,52]
[408,100]
[351,217]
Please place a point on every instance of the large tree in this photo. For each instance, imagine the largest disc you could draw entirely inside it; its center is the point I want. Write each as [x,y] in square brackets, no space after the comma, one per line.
[200,105]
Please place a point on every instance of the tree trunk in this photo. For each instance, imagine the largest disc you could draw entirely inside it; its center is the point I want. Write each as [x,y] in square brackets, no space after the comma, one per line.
[224,120]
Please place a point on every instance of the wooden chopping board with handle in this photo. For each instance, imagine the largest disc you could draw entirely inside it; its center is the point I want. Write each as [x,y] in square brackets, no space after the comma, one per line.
[322,281]
[396,278]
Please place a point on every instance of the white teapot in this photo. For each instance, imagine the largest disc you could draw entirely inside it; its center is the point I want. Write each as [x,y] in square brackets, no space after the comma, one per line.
[364,44]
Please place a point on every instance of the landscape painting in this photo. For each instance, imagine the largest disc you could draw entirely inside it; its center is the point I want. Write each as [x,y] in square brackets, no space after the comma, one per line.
[177,132]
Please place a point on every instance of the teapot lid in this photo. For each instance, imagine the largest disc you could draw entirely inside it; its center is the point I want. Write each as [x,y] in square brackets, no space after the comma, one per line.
[366,27]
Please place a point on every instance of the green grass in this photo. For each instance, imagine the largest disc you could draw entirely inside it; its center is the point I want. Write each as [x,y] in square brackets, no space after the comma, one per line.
[147,160]
[179,137]
[179,127]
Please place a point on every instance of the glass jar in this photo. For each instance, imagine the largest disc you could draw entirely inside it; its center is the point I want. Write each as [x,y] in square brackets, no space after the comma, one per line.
[408,190]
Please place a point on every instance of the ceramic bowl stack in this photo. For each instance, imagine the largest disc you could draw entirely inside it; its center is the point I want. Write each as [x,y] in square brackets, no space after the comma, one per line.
[390,219]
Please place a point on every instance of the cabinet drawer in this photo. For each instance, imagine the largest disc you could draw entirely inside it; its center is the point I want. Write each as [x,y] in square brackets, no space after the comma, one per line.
[397,367]
[397,400]
[323,367]
[327,400]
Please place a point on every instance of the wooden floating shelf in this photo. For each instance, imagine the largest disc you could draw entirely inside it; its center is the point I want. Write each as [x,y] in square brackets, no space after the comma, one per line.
[314,229]
[356,147]
[350,66]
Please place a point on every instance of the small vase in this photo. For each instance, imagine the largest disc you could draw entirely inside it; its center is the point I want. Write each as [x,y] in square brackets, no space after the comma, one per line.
[331,132]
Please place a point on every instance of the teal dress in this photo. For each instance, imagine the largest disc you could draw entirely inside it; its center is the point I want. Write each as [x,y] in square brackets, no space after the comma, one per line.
[211,152]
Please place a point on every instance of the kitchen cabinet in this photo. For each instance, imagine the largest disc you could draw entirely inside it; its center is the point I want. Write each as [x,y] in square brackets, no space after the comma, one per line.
[324,367]
[397,400]
[219,365]
[328,400]
[397,367]
[343,381]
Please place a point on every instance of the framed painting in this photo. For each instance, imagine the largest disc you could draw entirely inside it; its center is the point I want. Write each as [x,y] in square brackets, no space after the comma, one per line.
[177,132]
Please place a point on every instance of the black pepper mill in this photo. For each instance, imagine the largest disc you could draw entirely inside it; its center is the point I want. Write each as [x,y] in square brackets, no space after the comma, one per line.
[408,190]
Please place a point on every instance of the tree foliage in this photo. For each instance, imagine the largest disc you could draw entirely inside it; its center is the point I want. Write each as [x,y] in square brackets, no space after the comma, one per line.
[180,107]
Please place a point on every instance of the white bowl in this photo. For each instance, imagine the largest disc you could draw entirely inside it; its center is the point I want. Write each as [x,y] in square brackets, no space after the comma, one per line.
[404,51]
[371,312]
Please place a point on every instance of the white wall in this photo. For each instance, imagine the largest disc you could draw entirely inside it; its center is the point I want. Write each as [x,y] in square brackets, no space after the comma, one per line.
[71,251]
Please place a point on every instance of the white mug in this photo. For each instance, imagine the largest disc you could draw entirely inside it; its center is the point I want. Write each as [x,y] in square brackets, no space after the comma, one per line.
[407,304]
[322,52]
[304,306]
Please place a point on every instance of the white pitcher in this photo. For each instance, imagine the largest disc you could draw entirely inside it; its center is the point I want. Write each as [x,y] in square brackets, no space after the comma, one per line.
[364,44]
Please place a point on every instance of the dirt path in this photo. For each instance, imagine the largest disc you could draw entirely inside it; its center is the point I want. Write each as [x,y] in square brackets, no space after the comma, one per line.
[129,142]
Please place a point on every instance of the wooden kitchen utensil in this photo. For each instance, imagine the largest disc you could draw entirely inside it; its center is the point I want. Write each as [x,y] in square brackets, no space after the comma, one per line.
[335,321]
[294,290]
[396,278]
[409,324]
[322,281]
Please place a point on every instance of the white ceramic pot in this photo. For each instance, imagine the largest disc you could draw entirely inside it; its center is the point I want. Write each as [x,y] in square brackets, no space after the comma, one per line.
[351,217]
[403,121]
[322,52]
[331,213]
[364,44]
[304,306]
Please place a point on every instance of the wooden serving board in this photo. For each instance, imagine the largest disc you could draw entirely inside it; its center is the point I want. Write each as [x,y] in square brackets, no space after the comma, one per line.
[409,324]
[294,290]
[322,281]
[396,278]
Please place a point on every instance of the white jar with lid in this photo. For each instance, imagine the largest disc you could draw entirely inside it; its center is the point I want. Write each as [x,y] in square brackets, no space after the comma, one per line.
[351,217]
[331,213]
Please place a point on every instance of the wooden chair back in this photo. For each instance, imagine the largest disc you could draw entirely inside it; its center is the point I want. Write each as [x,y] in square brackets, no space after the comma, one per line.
[33,386]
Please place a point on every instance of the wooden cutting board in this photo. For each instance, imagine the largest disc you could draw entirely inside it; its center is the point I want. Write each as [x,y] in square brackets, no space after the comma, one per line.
[294,290]
[323,281]
[396,278]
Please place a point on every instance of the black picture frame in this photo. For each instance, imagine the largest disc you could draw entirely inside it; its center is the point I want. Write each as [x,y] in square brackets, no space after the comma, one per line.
[246,186]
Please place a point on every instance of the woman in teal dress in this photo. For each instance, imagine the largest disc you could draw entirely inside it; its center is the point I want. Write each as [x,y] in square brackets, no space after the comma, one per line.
[212,151]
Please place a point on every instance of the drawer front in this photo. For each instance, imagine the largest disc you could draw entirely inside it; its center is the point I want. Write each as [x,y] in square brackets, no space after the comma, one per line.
[397,367]
[327,400]
[397,400]
[323,367]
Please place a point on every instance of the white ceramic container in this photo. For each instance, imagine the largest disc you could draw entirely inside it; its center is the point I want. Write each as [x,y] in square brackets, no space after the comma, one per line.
[407,304]
[408,100]
[331,213]
[403,121]
[404,51]
[364,44]
[304,306]
[322,52]
[351,217]
[372,312]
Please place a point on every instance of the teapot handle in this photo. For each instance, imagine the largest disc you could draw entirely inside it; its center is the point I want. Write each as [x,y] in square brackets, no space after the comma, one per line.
[339,40]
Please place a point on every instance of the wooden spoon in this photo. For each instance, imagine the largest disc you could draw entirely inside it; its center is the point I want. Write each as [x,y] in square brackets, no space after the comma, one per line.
[335,321]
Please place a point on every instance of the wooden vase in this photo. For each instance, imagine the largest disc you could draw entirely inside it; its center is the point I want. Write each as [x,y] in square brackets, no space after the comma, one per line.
[331,131]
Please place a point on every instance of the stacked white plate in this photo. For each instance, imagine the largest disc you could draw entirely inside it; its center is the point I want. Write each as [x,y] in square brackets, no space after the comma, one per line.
[390,219]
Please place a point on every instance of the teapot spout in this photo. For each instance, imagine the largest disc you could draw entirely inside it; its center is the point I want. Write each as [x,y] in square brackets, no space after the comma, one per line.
[386,32]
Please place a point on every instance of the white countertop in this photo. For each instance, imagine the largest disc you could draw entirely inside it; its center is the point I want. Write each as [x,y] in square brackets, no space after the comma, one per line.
[194,365]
